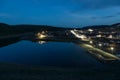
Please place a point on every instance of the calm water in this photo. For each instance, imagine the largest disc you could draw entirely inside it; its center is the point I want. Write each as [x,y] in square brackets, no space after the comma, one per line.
[50,53]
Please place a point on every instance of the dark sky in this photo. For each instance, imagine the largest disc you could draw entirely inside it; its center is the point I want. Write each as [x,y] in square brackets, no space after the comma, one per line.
[66,13]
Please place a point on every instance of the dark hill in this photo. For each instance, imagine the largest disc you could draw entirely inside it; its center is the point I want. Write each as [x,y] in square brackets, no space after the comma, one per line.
[6,29]
[113,26]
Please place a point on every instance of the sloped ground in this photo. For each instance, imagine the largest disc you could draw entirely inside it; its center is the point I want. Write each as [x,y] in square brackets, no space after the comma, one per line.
[22,72]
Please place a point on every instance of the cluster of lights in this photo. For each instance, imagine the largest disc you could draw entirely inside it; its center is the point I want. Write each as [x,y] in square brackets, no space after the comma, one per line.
[83,37]
[100,45]
[41,35]
[77,35]
[99,36]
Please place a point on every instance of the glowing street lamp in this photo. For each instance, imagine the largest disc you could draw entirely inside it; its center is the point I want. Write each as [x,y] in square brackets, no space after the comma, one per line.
[91,42]
[99,36]
[100,44]
[110,36]
[90,30]
[41,36]
[112,49]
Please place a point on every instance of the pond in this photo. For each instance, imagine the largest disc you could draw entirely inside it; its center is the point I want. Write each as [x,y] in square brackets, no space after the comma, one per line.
[46,54]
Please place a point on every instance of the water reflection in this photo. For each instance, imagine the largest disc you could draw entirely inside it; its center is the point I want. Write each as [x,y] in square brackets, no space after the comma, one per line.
[41,42]
[8,41]
[53,53]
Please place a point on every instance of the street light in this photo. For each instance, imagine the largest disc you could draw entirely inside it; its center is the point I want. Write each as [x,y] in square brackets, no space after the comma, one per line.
[112,49]
[90,30]
[110,36]
[99,36]
[91,42]
[100,44]
[41,36]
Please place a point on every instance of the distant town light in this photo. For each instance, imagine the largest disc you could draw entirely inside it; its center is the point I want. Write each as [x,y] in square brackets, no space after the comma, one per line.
[90,30]
[91,42]
[78,35]
[112,48]
[43,32]
[100,44]
[41,36]
[110,36]
[83,36]
[99,36]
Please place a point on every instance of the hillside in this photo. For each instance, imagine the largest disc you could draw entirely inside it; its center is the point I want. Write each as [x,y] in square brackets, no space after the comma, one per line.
[6,29]
[116,26]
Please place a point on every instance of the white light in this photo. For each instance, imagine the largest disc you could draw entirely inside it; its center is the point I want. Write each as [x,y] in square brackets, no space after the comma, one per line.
[43,32]
[99,36]
[83,36]
[41,36]
[78,35]
[100,44]
[41,42]
[110,36]
[91,42]
[91,30]
[112,48]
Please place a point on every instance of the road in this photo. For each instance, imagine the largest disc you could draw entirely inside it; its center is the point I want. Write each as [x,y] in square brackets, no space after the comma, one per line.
[99,53]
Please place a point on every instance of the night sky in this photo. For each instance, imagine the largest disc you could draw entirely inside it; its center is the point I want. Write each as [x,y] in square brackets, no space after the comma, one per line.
[63,13]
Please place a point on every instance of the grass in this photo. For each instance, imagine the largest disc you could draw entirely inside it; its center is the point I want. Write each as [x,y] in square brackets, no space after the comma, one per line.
[23,72]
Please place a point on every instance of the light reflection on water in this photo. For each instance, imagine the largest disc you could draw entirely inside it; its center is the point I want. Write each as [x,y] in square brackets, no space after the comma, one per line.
[50,53]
